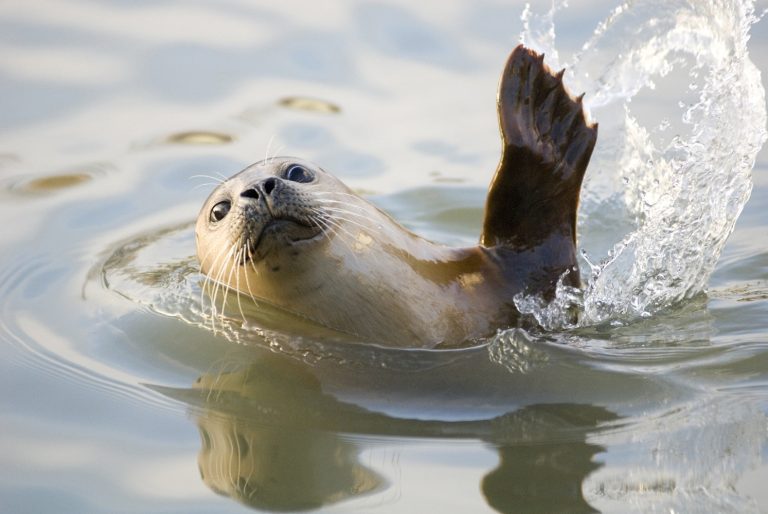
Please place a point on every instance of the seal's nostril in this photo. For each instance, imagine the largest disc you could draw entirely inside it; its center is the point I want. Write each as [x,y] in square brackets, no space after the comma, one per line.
[250,193]
[269,185]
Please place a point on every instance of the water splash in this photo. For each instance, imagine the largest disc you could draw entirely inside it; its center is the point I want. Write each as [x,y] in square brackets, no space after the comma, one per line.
[678,183]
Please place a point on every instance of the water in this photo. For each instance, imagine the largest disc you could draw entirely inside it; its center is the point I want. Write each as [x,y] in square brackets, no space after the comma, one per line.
[122,394]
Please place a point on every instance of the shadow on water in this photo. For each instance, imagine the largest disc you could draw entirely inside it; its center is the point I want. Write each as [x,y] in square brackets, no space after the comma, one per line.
[273,438]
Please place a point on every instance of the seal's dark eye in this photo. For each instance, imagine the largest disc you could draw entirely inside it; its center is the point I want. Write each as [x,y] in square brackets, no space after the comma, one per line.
[220,210]
[298,173]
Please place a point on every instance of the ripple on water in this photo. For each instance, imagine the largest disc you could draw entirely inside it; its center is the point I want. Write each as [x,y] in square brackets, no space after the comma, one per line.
[302,103]
[158,270]
[51,183]
[55,182]
[54,345]
[753,291]
[200,137]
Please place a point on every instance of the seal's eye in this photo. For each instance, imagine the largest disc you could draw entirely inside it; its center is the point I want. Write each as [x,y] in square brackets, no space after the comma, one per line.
[298,173]
[220,210]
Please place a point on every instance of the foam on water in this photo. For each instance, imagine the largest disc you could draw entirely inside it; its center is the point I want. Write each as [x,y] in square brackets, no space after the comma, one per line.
[670,183]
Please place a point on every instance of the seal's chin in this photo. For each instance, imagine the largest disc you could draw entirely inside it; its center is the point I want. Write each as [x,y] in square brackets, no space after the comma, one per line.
[278,234]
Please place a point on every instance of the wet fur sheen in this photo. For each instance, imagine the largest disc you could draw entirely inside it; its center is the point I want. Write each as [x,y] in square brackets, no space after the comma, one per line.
[320,251]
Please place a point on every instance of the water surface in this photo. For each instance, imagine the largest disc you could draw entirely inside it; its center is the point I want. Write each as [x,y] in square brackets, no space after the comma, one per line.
[123,394]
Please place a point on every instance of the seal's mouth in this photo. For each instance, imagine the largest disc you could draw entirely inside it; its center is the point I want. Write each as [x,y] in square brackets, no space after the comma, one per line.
[285,231]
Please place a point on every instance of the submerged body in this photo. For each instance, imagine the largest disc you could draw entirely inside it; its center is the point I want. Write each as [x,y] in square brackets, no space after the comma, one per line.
[287,232]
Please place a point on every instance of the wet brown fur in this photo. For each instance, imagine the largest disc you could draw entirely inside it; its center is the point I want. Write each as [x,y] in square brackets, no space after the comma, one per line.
[370,277]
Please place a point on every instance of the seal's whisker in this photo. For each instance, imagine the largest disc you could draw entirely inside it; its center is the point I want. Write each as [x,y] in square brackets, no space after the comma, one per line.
[325,226]
[322,221]
[253,266]
[344,211]
[247,251]
[318,197]
[255,272]
[206,184]
[327,229]
[219,286]
[269,146]
[232,267]
[213,288]
[217,279]
[339,205]
[359,210]
[351,201]
[338,217]
[335,223]
[239,259]
[217,180]
[337,229]
[336,193]
[319,223]
[331,196]
[219,283]
[207,284]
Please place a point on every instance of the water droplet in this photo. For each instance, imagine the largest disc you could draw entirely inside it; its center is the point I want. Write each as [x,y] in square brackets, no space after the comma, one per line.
[200,138]
[300,103]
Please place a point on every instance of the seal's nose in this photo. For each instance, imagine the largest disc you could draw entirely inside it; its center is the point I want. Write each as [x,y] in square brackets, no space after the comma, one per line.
[266,188]
[269,185]
[250,193]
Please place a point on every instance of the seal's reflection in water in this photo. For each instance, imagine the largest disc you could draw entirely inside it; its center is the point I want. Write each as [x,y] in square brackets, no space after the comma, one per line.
[270,439]
[260,446]
[544,458]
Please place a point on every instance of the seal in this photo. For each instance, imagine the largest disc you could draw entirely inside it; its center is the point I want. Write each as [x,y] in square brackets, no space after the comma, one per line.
[287,232]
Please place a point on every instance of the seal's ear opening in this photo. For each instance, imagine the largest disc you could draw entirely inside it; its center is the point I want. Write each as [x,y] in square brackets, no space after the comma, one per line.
[547,144]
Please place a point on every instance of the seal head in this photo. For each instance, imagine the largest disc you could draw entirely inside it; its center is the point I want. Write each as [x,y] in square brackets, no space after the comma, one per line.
[260,211]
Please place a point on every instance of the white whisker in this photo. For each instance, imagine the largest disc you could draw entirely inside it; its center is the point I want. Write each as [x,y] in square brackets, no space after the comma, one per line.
[269,146]
[339,231]
[228,288]
[239,261]
[207,284]
[337,217]
[217,180]
[339,210]
[198,186]
[279,149]
[247,250]
[218,283]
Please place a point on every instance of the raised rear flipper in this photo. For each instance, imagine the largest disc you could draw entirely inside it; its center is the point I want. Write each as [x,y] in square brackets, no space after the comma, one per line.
[547,144]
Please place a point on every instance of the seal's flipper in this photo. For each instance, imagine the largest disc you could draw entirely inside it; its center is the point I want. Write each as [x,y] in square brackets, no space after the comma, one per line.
[547,144]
